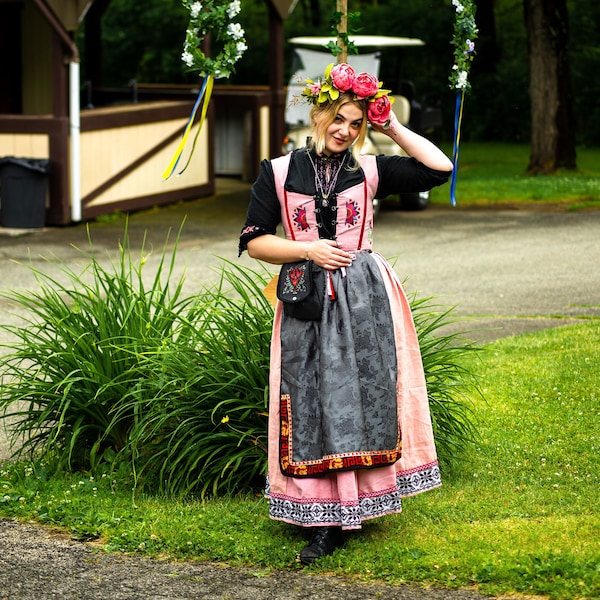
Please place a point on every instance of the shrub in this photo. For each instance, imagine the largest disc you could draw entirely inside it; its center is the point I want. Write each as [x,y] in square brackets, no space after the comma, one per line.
[205,427]
[71,379]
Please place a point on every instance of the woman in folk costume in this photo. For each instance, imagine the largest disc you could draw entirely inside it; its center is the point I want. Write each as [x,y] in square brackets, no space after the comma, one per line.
[349,426]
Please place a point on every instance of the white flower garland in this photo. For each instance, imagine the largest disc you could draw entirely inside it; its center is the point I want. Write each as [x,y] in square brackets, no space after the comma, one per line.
[216,18]
[465,34]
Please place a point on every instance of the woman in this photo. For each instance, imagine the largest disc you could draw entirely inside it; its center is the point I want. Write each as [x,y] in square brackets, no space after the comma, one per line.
[349,426]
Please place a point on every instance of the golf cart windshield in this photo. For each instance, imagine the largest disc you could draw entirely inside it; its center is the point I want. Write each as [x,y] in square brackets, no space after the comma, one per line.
[311,57]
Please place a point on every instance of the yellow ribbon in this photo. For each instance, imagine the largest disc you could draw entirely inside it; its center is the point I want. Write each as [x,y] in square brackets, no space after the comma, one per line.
[458,114]
[204,94]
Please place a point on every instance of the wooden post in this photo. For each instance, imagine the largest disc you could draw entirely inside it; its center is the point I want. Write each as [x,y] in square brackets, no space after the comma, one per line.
[342,7]
[277,120]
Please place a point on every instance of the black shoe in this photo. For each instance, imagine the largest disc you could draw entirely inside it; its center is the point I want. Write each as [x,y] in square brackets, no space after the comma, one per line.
[322,543]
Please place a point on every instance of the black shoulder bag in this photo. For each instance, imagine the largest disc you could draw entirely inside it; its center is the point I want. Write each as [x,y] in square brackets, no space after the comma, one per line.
[301,288]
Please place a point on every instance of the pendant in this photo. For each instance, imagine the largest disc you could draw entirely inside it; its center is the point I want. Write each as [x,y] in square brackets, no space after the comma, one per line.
[324,200]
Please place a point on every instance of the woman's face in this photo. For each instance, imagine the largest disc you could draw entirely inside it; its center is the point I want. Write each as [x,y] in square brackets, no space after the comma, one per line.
[340,135]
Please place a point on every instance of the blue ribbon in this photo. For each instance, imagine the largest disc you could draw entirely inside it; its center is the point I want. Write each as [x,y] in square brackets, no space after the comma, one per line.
[457,125]
[177,156]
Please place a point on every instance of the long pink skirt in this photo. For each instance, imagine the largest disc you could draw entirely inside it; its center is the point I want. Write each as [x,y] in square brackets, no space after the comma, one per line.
[349,497]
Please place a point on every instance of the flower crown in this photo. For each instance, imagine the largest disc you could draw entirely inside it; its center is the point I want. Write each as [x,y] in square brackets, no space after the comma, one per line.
[342,78]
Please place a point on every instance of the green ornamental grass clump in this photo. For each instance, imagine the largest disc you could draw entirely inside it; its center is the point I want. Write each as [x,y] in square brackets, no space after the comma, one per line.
[111,372]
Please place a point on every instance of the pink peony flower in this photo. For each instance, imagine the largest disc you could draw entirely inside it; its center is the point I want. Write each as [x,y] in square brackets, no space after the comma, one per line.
[365,85]
[342,76]
[378,111]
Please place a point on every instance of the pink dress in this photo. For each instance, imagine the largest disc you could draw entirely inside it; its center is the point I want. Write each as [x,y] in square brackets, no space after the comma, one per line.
[350,431]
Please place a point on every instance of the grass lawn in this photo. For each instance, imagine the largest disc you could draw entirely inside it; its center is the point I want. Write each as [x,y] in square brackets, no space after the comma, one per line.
[494,173]
[521,517]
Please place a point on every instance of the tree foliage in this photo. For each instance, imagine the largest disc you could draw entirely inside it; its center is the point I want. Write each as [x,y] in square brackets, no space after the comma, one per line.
[145,40]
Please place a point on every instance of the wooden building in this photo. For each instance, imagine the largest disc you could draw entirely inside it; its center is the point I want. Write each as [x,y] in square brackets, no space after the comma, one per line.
[112,158]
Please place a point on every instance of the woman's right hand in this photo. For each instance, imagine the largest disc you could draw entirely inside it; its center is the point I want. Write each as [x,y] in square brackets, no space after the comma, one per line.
[328,255]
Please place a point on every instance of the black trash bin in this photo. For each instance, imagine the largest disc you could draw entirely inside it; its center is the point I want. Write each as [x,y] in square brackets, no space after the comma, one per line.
[23,191]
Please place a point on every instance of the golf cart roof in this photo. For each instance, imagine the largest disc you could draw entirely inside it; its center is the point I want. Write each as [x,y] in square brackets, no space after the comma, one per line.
[360,41]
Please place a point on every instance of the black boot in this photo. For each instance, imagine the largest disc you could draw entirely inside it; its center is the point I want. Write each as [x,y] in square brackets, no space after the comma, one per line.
[323,542]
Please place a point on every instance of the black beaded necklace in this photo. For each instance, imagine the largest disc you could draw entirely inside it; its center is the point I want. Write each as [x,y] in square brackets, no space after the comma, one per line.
[326,174]
[327,170]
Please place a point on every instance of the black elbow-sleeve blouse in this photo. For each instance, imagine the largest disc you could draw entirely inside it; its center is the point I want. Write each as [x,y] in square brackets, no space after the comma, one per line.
[397,174]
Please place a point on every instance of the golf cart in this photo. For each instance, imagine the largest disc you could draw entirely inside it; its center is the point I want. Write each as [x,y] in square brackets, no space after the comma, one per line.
[310,59]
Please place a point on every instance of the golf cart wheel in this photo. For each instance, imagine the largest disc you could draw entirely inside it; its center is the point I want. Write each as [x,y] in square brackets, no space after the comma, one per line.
[416,201]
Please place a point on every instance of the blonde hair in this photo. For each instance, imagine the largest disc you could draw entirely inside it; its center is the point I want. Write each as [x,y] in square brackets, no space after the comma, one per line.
[323,115]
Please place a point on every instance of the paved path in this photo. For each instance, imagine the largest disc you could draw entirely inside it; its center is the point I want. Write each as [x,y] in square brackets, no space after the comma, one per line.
[506,270]
[38,565]
[509,271]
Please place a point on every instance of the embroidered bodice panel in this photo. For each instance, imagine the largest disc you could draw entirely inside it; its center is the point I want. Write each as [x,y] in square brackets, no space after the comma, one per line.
[353,215]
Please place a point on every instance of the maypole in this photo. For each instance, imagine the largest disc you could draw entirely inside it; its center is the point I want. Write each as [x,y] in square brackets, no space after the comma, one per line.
[342,35]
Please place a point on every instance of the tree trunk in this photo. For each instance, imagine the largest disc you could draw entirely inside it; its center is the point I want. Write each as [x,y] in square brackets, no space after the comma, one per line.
[552,118]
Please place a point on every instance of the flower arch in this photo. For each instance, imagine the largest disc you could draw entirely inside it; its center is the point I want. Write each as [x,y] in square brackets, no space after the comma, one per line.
[217,18]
